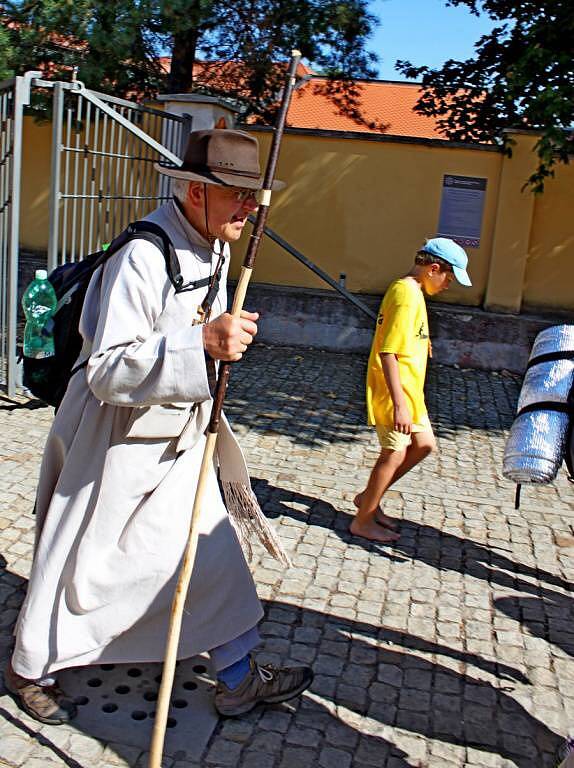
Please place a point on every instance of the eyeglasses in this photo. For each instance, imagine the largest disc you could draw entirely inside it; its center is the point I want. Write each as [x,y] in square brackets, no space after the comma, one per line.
[241,194]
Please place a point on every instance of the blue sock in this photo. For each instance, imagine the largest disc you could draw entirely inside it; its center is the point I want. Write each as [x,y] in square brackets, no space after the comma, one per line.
[234,674]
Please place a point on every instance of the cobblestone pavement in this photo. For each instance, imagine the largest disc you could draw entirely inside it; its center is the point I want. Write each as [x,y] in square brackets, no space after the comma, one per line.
[452,648]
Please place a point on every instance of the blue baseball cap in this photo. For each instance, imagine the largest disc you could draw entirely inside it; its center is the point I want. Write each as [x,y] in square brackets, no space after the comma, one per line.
[446,249]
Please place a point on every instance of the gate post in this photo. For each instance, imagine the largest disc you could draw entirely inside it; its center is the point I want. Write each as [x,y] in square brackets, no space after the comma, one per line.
[54,214]
[21,100]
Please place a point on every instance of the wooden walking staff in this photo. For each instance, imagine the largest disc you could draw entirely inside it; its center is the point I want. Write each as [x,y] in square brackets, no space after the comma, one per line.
[160,722]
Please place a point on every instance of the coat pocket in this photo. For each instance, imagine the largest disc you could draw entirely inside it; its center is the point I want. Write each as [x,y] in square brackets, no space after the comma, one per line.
[159,420]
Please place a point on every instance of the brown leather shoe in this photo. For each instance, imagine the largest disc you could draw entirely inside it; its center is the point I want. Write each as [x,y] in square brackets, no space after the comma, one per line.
[46,703]
[263,684]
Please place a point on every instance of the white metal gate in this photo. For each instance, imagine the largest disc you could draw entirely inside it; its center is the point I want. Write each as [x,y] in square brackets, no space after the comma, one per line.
[102,177]
[103,151]
[14,96]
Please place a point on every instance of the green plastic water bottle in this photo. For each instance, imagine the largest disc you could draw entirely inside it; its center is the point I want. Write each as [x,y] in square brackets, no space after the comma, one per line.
[39,304]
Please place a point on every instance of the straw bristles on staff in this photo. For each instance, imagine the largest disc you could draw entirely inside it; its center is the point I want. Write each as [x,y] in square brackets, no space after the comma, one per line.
[250,522]
[182,586]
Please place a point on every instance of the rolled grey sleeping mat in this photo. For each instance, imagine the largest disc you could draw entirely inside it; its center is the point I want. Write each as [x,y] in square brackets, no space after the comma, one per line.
[537,438]
[569,451]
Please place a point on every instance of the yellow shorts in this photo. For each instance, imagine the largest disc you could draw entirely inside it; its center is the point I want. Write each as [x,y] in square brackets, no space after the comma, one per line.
[392,440]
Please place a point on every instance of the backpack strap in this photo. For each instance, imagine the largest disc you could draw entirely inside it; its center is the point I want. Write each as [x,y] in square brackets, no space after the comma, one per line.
[156,235]
[153,233]
[550,357]
[546,405]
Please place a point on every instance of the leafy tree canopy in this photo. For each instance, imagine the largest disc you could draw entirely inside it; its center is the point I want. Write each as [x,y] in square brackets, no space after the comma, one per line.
[521,76]
[117,44]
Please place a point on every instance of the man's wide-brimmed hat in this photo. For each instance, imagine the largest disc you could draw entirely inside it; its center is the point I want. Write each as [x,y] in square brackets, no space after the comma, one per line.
[220,156]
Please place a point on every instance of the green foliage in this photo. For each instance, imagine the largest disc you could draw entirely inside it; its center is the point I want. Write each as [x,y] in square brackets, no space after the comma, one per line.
[521,76]
[6,55]
[116,44]
[107,41]
[332,34]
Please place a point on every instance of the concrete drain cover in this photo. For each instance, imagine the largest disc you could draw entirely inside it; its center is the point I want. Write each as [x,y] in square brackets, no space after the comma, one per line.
[116,702]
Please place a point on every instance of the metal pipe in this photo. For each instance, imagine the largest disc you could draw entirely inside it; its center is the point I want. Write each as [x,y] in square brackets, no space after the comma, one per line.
[6,110]
[76,176]
[54,214]
[318,271]
[21,99]
[65,187]
[93,197]
[85,179]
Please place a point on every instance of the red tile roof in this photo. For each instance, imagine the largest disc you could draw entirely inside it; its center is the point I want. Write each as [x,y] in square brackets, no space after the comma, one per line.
[219,74]
[381,102]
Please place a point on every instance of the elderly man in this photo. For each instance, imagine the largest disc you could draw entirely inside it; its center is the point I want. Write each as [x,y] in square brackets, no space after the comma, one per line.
[122,460]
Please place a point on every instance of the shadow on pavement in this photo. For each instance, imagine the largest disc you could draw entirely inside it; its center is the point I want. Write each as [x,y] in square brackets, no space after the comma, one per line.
[368,669]
[418,541]
[374,671]
[549,617]
[6,404]
[470,399]
[317,398]
[41,738]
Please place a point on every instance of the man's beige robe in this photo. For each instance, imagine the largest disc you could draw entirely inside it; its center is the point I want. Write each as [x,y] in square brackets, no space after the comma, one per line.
[119,474]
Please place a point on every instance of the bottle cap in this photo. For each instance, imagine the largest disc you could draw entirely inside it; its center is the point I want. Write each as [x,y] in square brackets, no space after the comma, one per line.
[41,274]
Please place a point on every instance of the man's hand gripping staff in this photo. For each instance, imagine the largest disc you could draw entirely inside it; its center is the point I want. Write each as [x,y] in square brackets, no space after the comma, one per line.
[232,352]
[227,337]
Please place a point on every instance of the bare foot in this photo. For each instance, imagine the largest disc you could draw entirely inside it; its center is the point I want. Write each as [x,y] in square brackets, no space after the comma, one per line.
[373,531]
[380,517]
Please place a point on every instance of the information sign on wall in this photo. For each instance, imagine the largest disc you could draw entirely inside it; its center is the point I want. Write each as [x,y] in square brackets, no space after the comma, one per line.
[461,207]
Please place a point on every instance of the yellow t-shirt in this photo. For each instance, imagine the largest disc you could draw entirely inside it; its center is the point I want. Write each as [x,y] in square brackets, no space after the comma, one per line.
[402,328]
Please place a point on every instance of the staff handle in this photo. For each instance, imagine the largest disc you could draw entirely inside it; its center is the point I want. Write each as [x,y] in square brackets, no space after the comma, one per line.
[178,603]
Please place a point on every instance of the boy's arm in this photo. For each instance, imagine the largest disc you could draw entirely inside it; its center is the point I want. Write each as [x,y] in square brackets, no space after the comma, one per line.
[402,415]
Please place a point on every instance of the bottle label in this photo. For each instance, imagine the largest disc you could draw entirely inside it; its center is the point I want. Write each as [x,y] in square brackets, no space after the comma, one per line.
[40,354]
[39,303]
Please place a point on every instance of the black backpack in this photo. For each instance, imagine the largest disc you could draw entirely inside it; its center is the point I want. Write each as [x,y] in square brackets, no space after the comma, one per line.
[47,378]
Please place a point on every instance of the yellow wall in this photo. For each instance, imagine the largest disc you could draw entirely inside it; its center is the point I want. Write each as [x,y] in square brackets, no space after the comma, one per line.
[365,207]
[549,278]
[35,190]
[515,209]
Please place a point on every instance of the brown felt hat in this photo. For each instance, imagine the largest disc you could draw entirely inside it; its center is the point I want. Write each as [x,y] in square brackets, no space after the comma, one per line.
[218,156]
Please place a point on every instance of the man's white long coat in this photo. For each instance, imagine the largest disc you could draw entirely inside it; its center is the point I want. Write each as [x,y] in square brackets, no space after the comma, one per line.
[119,474]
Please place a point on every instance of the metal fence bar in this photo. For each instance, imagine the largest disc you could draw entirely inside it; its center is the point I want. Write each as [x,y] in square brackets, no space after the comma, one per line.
[145,164]
[11,276]
[102,208]
[65,186]
[21,99]
[6,111]
[113,177]
[129,169]
[76,159]
[93,168]
[55,200]
[84,213]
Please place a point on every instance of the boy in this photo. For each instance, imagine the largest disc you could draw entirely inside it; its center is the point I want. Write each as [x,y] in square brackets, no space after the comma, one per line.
[395,379]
